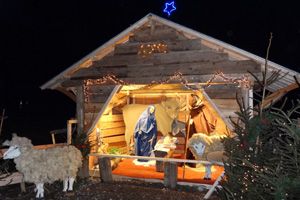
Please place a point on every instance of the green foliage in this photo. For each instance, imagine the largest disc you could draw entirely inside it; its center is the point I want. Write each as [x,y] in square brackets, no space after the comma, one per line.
[264,157]
[82,142]
[114,150]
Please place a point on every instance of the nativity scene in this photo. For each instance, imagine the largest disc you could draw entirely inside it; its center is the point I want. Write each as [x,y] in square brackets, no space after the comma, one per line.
[158,99]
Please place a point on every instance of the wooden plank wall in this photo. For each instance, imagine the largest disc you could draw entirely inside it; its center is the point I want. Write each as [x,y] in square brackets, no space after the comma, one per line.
[224,97]
[112,130]
[96,98]
[228,107]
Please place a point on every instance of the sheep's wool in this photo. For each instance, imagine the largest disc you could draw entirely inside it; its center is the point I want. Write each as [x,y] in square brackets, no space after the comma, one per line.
[47,165]
[212,143]
[20,141]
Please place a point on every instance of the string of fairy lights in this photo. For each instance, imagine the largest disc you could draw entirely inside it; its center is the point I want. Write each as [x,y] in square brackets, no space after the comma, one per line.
[146,50]
[243,81]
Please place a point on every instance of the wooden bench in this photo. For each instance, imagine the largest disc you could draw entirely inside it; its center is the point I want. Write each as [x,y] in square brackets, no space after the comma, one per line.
[170,168]
[14,178]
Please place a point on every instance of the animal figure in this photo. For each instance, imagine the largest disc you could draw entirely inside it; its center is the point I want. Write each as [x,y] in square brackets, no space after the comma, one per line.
[209,148]
[165,113]
[44,165]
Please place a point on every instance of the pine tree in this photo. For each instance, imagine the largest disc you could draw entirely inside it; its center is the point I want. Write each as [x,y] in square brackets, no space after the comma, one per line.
[264,156]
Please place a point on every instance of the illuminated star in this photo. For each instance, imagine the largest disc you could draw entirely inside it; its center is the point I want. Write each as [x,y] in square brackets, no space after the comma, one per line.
[169,7]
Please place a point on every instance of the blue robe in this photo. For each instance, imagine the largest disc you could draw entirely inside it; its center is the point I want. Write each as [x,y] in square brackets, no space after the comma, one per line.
[145,134]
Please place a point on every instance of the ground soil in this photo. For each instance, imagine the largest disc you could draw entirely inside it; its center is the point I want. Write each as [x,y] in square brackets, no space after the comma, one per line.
[92,189]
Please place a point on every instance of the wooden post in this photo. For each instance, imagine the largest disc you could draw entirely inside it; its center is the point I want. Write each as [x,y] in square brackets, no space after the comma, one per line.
[160,164]
[105,169]
[245,97]
[170,176]
[80,109]
[213,187]
[22,185]
[251,98]
[69,130]
[53,138]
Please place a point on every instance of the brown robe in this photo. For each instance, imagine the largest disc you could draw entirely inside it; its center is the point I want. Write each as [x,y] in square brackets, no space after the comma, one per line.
[203,122]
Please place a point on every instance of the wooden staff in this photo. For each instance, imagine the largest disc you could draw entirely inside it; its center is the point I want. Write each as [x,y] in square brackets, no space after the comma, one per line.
[186,140]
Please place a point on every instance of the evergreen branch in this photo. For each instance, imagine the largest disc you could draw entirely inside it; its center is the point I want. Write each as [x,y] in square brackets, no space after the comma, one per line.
[256,78]
[283,104]
[292,111]
[283,114]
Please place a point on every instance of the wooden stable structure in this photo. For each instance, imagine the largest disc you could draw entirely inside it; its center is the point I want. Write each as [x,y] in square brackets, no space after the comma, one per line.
[152,60]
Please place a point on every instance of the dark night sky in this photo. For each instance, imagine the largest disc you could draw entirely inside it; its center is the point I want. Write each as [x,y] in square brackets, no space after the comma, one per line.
[40,38]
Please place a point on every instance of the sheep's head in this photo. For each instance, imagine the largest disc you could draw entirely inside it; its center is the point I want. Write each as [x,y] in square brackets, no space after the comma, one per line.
[198,143]
[19,141]
[12,152]
[198,148]
[15,146]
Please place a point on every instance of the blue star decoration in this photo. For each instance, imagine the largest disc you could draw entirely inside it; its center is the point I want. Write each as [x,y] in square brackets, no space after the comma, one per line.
[169,7]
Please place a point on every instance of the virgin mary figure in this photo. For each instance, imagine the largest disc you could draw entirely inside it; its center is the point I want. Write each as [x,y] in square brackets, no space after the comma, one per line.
[145,133]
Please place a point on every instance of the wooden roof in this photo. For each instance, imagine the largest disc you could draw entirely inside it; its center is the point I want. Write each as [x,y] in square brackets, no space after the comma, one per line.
[195,55]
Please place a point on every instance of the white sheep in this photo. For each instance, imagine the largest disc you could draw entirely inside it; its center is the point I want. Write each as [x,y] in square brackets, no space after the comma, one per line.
[44,165]
[209,148]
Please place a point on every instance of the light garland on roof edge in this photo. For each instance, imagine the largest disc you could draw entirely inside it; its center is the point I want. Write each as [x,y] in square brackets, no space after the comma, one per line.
[243,82]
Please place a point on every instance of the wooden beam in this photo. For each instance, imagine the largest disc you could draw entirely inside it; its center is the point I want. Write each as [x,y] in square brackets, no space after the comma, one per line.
[66,92]
[244,92]
[162,58]
[71,83]
[275,96]
[114,139]
[101,71]
[175,45]
[100,89]
[175,160]
[157,92]
[147,80]
[9,179]
[111,125]
[195,68]
[80,109]
[111,118]
[158,33]
[113,131]
[222,91]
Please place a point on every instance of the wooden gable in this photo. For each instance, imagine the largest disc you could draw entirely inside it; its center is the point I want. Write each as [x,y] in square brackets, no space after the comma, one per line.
[194,60]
